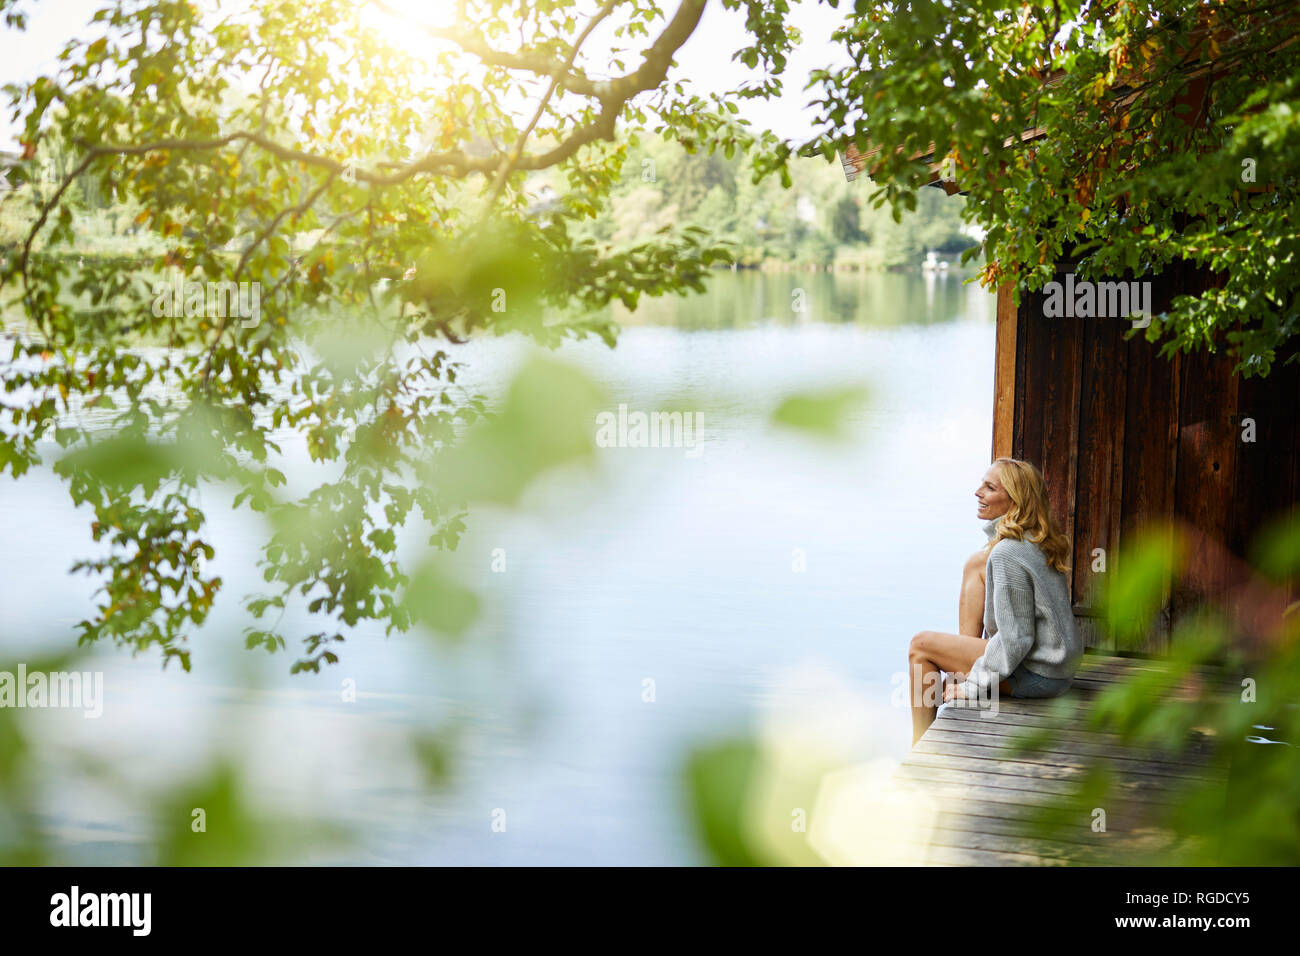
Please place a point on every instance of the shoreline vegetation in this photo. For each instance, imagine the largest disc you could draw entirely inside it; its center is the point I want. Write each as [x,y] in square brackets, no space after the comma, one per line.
[820,223]
[776,265]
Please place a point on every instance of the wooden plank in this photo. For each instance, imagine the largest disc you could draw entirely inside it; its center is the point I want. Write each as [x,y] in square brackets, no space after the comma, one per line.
[1091,631]
[1063,824]
[1004,373]
[1196,763]
[1057,458]
[1008,724]
[1116,759]
[1292,395]
[1043,849]
[1153,791]
[1111,671]
[1207,453]
[1119,421]
[1035,726]
[1022,374]
[946,844]
[952,856]
[1033,373]
[1186,687]
[1067,706]
[1062,710]
[1075,840]
[996,721]
[1109,675]
[1149,460]
[1045,831]
[1115,663]
[975,821]
[1100,468]
[1034,814]
[1294,521]
[942,787]
[1019,725]
[1009,717]
[1103,666]
[1082,746]
[1017,721]
[1066,771]
[1069,517]
[1018,787]
[1262,480]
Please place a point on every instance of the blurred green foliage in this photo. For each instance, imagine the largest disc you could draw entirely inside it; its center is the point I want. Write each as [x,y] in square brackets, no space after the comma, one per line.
[826,413]
[717,783]
[211,821]
[547,420]
[1224,692]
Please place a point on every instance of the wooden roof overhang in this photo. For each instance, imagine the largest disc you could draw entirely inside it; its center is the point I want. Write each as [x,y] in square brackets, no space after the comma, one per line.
[855,162]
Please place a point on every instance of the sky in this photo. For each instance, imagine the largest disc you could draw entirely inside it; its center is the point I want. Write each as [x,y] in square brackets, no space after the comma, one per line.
[704,60]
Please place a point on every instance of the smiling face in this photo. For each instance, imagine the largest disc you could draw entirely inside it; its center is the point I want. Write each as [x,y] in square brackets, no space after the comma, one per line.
[993,499]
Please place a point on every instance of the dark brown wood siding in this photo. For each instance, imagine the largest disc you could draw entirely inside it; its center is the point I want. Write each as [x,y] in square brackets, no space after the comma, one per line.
[1127,438]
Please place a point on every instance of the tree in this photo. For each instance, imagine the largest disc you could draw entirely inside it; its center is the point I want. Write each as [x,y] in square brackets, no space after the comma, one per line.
[293,158]
[844,220]
[1134,133]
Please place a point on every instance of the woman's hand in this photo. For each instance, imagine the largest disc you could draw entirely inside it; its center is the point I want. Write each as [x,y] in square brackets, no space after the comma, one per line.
[953,691]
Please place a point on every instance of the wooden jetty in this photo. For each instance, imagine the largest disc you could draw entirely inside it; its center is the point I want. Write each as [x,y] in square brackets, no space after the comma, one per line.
[996,804]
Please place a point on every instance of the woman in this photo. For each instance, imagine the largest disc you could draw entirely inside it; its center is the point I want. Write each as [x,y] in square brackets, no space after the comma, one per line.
[1015,591]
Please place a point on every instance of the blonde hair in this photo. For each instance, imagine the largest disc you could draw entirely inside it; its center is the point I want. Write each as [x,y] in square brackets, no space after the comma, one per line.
[1030,516]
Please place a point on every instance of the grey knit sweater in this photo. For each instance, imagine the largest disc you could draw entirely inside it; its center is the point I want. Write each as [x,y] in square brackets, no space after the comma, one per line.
[1027,617]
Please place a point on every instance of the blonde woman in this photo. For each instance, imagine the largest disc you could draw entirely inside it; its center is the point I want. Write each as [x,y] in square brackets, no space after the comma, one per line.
[1014,615]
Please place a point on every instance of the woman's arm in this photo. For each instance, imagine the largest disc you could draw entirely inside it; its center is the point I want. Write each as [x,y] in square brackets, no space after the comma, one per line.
[1013,613]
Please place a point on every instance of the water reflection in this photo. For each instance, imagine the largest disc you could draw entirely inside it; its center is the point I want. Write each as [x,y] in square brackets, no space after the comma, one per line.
[748,298]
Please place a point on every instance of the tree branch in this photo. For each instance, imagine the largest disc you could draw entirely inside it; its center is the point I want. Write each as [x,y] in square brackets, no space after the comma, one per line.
[508,163]
[612,95]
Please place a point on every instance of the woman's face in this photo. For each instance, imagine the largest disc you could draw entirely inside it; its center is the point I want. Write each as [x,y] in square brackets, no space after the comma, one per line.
[993,499]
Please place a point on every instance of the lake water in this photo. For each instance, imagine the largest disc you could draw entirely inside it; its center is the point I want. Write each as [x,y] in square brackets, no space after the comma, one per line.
[769,579]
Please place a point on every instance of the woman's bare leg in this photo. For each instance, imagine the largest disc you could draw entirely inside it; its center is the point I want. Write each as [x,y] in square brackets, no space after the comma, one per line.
[970,605]
[929,653]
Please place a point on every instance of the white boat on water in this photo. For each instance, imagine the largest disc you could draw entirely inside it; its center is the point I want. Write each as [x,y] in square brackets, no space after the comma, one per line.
[933,263]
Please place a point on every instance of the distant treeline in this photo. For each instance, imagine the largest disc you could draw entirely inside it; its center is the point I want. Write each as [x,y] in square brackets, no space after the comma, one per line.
[820,220]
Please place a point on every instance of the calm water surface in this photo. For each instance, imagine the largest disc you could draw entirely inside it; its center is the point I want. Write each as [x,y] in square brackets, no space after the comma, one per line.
[663,568]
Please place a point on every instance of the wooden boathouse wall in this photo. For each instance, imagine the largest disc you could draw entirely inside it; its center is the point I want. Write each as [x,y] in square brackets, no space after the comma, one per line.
[1125,437]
